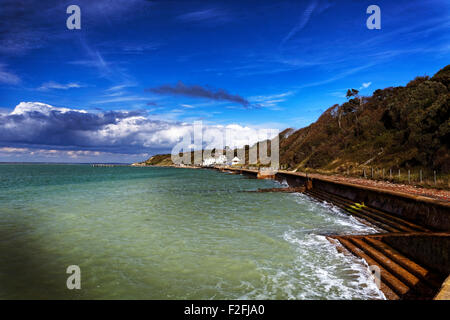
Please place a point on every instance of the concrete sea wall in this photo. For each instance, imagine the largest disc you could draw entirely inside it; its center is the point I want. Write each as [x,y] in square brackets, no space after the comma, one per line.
[430,248]
[430,213]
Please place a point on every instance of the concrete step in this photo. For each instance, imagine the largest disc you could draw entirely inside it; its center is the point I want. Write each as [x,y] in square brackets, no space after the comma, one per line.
[413,282]
[392,288]
[396,269]
[429,277]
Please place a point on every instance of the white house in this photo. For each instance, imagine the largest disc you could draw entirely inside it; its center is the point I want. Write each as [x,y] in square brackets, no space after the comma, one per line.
[235,160]
[208,162]
[222,159]
[214,161]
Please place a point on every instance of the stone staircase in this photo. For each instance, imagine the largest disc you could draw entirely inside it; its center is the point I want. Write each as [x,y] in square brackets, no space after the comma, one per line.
[401,276]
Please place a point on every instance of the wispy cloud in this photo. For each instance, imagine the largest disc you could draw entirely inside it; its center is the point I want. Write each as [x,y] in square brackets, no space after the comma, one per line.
[95,60]
[303,21]
[128,47]
[187,106]
[337,76]
[8,77]
[22,29]
[55,85]
[338,94]
[120,86]
[122,99]
[118,93]
[211,15]
[110,70]
[271,101]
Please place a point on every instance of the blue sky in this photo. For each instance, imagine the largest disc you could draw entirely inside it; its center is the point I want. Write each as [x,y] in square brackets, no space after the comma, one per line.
[138,72]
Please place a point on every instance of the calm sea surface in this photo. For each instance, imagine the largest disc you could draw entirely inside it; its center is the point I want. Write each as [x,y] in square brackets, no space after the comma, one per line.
[167,233]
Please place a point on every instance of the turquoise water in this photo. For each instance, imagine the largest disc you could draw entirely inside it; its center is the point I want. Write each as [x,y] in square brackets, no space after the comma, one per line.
[168,233]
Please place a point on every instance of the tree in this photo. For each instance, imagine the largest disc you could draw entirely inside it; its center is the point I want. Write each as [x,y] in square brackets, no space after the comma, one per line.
[352,93]
[353,108]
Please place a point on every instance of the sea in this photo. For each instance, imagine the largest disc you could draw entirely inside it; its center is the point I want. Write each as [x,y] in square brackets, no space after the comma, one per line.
[129,232]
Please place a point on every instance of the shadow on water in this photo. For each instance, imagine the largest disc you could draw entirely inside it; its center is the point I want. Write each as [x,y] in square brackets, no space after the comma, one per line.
[26,268]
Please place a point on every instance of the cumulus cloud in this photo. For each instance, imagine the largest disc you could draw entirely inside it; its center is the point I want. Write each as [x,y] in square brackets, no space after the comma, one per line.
[198,91]
[35,125]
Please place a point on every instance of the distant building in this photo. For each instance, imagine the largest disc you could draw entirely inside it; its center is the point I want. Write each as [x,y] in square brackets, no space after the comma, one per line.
[220,160]
[235,160]
[208,162]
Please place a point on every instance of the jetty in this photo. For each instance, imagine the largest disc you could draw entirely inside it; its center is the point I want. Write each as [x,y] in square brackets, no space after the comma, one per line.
[108,165]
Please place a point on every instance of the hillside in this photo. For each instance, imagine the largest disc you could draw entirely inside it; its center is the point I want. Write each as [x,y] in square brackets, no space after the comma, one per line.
[401,127]
[396,127]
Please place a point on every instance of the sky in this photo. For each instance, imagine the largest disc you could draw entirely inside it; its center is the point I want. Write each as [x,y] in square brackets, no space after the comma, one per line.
[137,75]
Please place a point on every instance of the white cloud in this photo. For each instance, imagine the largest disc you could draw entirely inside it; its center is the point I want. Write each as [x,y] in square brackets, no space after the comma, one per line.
[303,21]
[271,101]
[55,85]
[66,155]
[121,87]
[365,85]
[13,150]
[26,107]
[41,126]
[120,98]
[8,77]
